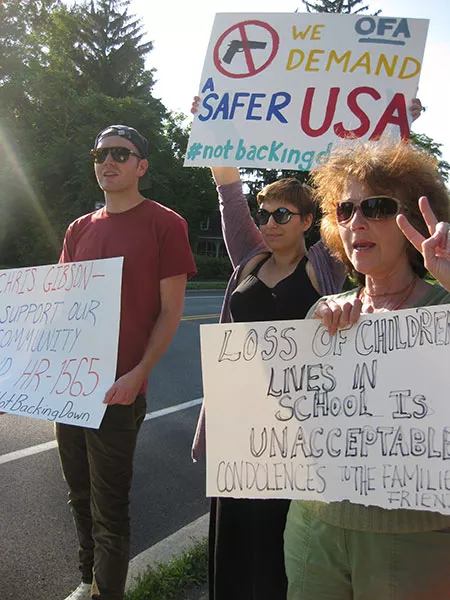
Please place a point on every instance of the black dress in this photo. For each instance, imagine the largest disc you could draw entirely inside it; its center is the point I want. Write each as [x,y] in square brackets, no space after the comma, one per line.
[246,559]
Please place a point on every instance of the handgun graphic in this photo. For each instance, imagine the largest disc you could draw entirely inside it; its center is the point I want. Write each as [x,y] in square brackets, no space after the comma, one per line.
[236,46]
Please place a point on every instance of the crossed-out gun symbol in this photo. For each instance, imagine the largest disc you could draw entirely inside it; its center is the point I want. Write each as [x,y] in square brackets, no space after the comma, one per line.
[236,46]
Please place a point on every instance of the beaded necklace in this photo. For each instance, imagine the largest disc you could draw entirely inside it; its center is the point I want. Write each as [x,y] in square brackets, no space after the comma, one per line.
[408,289]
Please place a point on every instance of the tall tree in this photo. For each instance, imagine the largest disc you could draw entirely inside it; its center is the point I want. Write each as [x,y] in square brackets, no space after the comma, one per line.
[426,143]
[51,111]
[336,6]
[105,47]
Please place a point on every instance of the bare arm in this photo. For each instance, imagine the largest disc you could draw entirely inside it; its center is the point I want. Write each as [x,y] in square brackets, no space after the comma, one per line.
[126,388]
[225,175]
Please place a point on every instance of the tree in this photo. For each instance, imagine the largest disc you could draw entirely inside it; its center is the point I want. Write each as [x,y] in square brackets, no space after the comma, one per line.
[103,48]
[336,6]
[426,143]
[192,192]
[23,207]
[52,108]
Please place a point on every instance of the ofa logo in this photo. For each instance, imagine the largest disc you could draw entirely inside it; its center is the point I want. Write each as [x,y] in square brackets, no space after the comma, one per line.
[383,30]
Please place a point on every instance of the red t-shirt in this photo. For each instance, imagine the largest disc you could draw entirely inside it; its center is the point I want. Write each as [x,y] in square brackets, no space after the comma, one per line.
[154,243]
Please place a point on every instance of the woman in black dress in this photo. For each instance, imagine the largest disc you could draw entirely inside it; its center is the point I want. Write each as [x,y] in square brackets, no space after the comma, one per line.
[279,282]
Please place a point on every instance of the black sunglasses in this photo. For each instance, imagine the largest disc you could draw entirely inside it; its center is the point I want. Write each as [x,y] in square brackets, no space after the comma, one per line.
[118,153]
[378,208]
[281,216]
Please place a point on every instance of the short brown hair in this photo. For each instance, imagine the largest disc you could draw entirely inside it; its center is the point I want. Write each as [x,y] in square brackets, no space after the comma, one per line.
[291,190]
[398,168]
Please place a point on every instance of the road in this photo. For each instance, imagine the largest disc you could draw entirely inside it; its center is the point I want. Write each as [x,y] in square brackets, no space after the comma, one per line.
[38,544]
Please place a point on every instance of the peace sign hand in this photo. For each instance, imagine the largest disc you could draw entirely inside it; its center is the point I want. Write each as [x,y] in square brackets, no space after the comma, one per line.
[435,249]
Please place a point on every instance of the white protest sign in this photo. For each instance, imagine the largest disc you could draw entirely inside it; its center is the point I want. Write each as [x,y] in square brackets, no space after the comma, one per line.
[279,91]
[59,331]
[292,412]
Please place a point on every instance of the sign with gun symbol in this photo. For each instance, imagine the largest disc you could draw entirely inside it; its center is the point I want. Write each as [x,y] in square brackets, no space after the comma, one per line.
[246,57]
[238,46]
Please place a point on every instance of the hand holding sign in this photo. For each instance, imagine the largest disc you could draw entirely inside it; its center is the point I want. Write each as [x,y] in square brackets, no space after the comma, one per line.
[435,249]
[335,315]
[126,388]
[415,108]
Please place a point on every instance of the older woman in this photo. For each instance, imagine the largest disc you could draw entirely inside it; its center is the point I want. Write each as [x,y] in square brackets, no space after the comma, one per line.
[385,210]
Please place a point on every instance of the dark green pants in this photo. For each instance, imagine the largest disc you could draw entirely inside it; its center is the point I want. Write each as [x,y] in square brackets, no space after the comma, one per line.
[324,562]
[98,467]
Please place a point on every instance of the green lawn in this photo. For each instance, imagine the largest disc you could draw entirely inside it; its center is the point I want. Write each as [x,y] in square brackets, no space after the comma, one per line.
[170,581]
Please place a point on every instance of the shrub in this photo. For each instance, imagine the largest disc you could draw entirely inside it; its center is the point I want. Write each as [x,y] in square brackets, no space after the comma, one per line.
[212,269]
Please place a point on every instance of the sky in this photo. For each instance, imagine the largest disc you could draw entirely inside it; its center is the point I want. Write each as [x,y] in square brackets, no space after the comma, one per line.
[180,31]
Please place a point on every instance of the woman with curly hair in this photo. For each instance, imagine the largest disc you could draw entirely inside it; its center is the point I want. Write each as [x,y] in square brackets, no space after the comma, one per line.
[385,211]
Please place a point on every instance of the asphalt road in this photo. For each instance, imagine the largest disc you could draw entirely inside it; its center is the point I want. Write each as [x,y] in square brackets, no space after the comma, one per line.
[37,539]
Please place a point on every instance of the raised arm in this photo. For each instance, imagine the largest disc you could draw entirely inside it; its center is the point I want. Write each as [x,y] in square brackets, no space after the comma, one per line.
[225,175]
[242,238]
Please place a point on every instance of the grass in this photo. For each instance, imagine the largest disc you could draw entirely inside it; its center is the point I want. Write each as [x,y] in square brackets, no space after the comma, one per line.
[170,581]
[206,285]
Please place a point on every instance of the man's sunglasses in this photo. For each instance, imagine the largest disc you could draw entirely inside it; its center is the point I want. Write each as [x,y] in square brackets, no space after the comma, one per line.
[281,216]
[378,208]
[118,153]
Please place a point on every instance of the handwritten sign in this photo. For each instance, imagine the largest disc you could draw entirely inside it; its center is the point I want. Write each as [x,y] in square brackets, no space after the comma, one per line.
[59,330]
[279,91]
[292,412]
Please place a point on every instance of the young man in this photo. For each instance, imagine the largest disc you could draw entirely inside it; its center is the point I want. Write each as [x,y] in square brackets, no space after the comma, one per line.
[97,464]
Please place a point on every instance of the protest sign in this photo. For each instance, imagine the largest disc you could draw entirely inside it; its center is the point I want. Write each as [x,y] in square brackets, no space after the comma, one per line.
[59,331]
[292,412]
[280,91]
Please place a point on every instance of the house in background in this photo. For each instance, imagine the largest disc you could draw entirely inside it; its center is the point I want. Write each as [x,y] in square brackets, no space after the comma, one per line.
[210,241]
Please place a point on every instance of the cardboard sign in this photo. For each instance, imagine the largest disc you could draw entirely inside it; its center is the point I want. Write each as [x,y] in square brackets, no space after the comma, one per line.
[292,412]
[280,91]
[59,331]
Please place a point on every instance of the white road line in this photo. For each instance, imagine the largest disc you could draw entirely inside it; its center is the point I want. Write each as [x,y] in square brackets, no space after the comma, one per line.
[171,409]
[6,458]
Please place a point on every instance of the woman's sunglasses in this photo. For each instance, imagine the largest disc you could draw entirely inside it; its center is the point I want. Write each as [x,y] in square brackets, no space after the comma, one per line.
[118,153]
[378,208]
[281,216]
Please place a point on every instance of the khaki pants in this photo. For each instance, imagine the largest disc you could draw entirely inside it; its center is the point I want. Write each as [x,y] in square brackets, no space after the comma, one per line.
[324,562]
[98,467]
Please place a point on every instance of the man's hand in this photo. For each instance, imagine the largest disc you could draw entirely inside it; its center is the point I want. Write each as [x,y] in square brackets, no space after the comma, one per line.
[126,388]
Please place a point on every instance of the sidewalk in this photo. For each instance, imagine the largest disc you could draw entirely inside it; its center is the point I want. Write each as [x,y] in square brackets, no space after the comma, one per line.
[165,550]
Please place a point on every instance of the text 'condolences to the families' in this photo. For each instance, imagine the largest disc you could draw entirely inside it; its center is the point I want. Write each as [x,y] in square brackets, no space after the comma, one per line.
[294,412]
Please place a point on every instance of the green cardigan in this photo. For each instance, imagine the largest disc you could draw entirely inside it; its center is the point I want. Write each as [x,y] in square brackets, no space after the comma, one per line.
[373,518]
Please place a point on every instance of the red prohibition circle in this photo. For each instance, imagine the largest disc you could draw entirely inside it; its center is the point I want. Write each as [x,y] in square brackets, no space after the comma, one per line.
[252,70]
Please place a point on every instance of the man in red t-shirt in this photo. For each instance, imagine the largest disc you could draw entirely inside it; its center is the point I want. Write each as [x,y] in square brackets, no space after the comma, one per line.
[97,464]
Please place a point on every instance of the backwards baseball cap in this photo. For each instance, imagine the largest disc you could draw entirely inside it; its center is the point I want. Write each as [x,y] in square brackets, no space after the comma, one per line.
[129,133]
